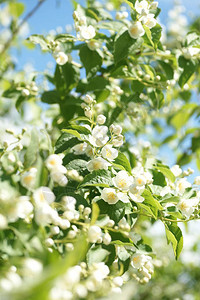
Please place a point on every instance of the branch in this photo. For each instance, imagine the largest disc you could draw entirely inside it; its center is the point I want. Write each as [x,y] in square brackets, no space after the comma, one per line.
[30,14]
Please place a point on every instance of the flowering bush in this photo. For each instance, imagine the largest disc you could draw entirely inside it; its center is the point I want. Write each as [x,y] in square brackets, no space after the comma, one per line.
[75,195]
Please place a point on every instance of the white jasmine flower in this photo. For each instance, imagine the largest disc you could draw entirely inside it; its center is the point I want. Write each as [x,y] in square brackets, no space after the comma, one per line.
[123,197]
[118,141]
[31,267]
[53,161]
[43,195]
[72,276]
[116,129]
[45,214]
[181,185]
[79,149]
[24,207]
[94,233]
[136,30]
[108,152]
[69,203]
[28,178]
[88,99]
[61,58]
[100,271]
[117,90]
[86,32]
[141,5]
[93,45]
[197,180]
[101,119]
[136,197]
[176,170]
[123,180]
[59,177]
[97,163]
[25,92]
[166,190]
[88,113]
[109,195]
[138,260]
[99,136]
[140,180]
[187,206]
[118,281]
[190,52]
[107,238]
[149,20]
[3,222]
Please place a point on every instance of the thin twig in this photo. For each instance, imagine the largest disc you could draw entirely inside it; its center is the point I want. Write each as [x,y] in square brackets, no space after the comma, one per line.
[7,44]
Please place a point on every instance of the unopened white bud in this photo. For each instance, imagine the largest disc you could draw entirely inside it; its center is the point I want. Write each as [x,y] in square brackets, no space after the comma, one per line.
[49,242]
[107,238]
[101,119]
[55,230]
[88,99]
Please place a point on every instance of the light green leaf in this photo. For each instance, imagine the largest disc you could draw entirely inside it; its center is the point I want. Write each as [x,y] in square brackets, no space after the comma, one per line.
[32,150]
[122,162]
[174,236]
[165,170]
[100,178]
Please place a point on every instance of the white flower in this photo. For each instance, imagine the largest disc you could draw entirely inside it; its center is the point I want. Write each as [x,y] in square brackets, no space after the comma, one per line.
[107,238]
[93,45]
[79,149]
[136,30]
[108,152]
[45,214]
[28,178]
[43,196]
[25,92]
[88,113]
[135,192]
[190,52]
[86,32]
[69,203]
[166,190]
[122,180]
[149,20]
[61,58]
[181,185]
[59,177]
[123,197]
[197,180]
[109,195]
[88,99]
[99,136]
[101,119]
[138,260]
[140,180]
[24,207]
[31,267]
[3,222]
[53,161]
[176,170]
[118,141]
[116,129]
[94,233]
[121,15]
[187,206]
[97,164]
[100,271]
[141,5]
[72,276]
[118,281]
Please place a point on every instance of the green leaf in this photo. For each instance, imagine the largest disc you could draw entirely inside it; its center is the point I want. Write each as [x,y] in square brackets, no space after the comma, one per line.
[165,170]
[149,199]
[125,45]
[148,35]
[167,68]
[156,32]
[97,83]
[71,74]
[181,117]
[100,178]
[174,236]
[65,142]
[189,68]
[95,213]
[16,9]
[32,150]
[115,114]
[122,161]
[91,60]
[80,129]
[51,97]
